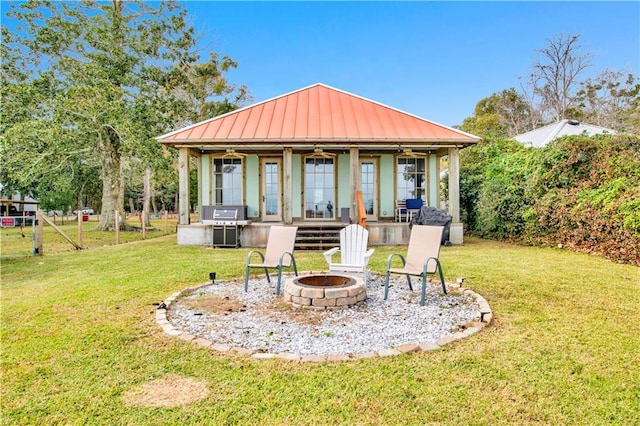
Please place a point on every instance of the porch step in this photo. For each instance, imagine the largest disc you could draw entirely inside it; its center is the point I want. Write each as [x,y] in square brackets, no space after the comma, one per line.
[318,237]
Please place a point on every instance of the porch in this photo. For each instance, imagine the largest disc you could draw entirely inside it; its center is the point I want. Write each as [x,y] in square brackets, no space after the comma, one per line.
[311,235]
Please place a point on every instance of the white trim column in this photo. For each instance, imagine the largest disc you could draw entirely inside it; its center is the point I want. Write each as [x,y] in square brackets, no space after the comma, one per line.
[183,186]
[456,230]
[287,185]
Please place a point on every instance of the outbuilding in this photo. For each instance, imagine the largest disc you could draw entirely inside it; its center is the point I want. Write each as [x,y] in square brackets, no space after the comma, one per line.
[542,136]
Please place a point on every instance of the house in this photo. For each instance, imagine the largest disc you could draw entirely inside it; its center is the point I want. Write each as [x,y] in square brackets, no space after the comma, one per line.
[544,135]
[301,157]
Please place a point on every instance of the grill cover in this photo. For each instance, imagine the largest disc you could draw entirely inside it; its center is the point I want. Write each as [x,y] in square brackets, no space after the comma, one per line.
[435,217]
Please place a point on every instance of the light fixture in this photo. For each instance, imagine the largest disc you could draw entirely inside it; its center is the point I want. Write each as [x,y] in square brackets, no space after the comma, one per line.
[233,154]
[319,153]
[408,152]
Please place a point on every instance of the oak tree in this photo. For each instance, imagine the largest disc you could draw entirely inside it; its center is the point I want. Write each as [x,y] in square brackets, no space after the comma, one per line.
[88,85]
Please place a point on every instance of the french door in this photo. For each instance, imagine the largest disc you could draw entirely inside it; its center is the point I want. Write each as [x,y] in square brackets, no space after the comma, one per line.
[368,179]
[271,190]
[319,188]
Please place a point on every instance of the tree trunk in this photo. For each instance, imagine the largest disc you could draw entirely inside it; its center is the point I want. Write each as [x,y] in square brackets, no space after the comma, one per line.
[110,175]
[146,197]
[120,207]
[154,204]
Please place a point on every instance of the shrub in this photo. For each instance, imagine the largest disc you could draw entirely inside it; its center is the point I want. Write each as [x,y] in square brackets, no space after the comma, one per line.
[582,192]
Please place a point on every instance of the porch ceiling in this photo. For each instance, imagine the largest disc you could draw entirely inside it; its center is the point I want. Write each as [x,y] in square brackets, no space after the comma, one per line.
[318,115]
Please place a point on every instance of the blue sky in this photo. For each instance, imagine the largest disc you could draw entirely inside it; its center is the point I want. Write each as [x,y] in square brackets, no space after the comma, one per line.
[432,59]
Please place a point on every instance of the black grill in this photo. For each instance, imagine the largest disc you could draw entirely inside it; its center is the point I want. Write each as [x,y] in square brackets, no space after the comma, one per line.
[226,221]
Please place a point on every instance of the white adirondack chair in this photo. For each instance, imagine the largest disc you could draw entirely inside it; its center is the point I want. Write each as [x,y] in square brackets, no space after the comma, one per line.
[354,255]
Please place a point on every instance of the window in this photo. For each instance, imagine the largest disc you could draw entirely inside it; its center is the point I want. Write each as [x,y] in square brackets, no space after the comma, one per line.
[227,181]
[319,188]
[410,178]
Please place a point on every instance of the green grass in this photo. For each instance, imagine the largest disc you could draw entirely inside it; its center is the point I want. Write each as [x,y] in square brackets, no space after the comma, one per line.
[78,331]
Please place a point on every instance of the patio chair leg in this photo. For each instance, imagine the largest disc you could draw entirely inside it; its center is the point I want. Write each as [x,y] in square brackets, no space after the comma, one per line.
[268,278]
[386,286]
[409,282]
[444,287]
[424,289]
[279,279]
[246,280]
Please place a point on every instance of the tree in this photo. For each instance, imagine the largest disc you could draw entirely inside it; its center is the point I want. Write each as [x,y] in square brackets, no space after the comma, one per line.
[506,113]
[611,99]
[95,82]
[554,78]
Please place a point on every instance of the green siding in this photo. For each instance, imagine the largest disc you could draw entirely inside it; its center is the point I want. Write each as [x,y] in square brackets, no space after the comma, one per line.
[343,182]
[433,180]
[205,191]
[296,185]
[252,185]
[387,189]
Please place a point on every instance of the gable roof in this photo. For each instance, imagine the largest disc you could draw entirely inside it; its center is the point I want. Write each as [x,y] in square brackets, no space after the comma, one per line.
[542,136]
[317,113]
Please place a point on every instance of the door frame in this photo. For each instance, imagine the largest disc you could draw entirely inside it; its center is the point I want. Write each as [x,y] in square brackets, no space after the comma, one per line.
[332,202]
[263,190]
[376,202]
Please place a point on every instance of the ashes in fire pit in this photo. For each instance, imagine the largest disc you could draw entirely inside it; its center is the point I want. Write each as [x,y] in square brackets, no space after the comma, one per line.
[324,291]
[324,280]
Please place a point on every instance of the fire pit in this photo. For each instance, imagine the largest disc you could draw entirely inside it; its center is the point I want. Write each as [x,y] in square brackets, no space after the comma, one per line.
[324,291]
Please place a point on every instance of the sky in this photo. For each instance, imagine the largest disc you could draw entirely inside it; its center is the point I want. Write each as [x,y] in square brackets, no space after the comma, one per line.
[435,60]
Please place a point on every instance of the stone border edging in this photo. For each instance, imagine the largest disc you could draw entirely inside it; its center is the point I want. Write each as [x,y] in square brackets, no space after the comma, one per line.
[485,318]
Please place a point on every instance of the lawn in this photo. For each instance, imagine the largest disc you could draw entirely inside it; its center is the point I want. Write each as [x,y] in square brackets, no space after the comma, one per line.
[19,241]
[78,332]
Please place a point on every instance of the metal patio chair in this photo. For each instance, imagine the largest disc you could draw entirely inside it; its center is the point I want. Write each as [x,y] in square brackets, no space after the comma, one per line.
[421,260]
[278,255]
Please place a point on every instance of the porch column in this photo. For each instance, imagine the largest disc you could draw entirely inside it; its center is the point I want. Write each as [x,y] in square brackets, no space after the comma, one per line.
[456,230]
[183,186]
[287,186]
[200,192]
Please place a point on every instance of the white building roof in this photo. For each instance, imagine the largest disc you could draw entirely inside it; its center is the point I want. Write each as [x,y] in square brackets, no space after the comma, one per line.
[542,136]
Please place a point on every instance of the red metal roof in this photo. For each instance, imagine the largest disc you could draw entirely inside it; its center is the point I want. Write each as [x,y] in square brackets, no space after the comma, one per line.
[317,113]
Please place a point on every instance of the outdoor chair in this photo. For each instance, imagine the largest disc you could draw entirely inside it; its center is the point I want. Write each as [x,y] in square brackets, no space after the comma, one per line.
[421,260]
[413,206]
[354,255]
[401,211]
[278,255]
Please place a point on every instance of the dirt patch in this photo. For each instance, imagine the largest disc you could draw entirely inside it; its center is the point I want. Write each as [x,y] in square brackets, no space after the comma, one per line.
[215,304]
[296,314]
[171,390]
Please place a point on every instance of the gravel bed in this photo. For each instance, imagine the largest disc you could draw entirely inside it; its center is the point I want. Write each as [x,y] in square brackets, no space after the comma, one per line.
[258,320]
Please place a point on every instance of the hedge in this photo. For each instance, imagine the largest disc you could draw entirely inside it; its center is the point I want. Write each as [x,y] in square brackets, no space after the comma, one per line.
[579,192]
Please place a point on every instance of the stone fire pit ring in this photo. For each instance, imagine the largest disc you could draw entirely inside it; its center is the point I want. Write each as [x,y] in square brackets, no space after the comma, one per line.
[324,290]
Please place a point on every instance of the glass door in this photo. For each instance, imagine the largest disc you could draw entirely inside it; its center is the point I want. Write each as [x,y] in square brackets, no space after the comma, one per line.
[368,176]
[319,188]
[271,190]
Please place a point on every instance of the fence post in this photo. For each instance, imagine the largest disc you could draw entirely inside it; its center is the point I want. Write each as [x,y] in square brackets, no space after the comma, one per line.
[80,215]
[117,226]
[39,233]
[143,223]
